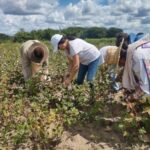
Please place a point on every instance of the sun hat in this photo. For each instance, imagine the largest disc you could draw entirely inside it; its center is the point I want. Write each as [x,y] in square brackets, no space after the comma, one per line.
[112,55]
[55,39]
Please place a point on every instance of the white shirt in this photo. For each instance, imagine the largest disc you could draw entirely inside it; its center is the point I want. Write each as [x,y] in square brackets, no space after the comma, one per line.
[86,51]
[141,54]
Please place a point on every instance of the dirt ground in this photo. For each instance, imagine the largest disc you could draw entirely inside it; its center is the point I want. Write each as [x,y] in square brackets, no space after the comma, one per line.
[90,137]
[96,137]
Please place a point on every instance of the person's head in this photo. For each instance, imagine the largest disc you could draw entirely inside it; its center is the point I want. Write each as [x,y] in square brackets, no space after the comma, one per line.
[119,38]
[37,54]
[60,42]
[63,43]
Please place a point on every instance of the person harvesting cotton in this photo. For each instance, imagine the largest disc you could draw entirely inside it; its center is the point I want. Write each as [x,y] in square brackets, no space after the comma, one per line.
[34,58]
[82,56]
[136,75]
[112,56]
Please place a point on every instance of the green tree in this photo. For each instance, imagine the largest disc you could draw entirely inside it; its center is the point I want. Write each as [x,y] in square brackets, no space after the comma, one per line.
[4,37]
[74,31]
[113,31]
[95,32]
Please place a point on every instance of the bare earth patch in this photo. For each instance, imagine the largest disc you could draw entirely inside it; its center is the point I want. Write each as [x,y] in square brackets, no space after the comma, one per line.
[90,137]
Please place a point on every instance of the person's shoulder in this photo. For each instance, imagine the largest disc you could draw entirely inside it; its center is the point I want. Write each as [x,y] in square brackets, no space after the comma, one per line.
[113,47]
[108,47]
[77,41]
[35,41]
[31,41]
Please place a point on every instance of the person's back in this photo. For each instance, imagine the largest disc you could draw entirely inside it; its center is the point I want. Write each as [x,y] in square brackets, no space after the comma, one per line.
[142,56]
[136,71]
[86,51]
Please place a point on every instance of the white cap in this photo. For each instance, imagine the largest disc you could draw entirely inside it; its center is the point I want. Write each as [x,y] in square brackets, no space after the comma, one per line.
[55,39]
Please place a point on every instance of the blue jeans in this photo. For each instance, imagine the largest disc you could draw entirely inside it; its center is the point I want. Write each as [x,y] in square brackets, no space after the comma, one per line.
[89,69]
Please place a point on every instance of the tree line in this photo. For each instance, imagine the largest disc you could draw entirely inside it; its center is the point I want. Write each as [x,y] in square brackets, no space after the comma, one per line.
[45,34]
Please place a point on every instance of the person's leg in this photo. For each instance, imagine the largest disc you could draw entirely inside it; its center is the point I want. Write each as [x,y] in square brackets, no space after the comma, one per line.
[81,73]
[92,69]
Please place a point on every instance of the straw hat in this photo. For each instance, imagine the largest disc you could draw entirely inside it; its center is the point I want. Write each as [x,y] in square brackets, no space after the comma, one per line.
[112,55]
[38,52]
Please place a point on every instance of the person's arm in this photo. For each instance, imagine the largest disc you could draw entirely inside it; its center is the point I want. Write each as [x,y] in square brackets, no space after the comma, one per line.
[73,70]
[75,66]
[45,71]
[70,62]
[26,64]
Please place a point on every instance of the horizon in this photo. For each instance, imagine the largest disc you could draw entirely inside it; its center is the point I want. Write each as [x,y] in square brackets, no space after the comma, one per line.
[22,30]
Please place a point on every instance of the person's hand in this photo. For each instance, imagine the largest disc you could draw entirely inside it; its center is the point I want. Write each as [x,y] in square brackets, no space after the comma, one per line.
[67,82]
[138,94]
[66,76]
[45,78]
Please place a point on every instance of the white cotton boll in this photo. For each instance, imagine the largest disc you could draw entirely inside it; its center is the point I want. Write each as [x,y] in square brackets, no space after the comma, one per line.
[70,87]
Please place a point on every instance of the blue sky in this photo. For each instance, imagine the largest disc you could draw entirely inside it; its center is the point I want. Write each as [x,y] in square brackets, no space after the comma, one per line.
[101,2]
[66,2]
[131,16]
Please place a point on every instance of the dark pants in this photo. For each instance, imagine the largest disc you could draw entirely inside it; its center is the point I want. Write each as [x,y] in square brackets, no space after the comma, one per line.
[89,69]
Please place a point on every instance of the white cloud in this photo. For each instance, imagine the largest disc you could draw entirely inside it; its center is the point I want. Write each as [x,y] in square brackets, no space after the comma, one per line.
[129,15]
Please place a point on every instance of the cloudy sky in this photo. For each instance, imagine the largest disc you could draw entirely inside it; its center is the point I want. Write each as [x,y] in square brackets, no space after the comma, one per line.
[130,15]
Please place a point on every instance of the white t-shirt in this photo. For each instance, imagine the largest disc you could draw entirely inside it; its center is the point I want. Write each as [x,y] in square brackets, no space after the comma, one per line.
[142,54]
[86,51]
